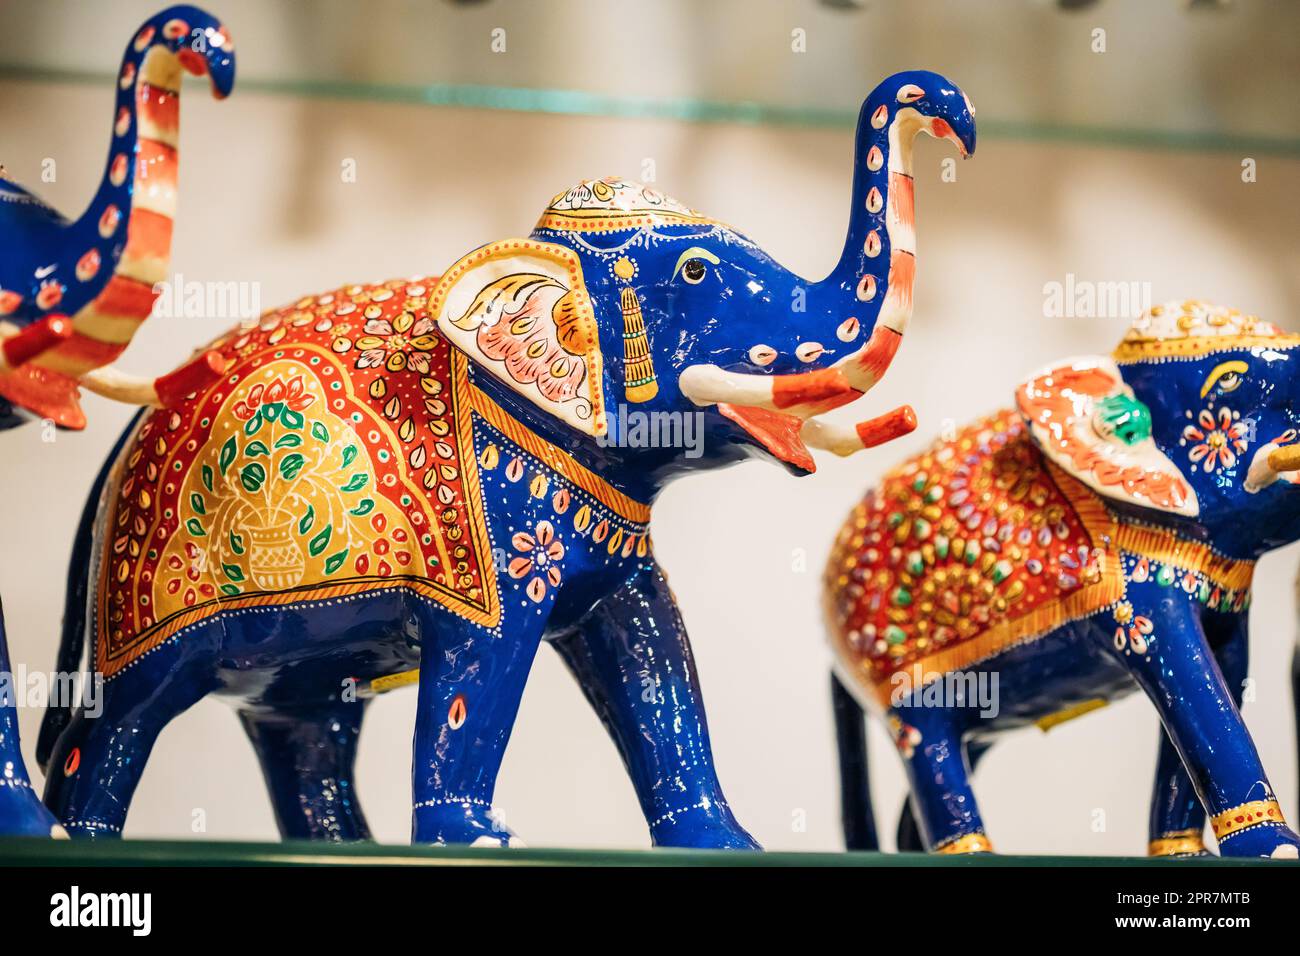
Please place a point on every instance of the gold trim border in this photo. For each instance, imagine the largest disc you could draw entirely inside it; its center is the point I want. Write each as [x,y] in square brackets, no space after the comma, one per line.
[1157,544]
[1198,346]
[968,843]
[1245,816]
[1177,842]
[622,505]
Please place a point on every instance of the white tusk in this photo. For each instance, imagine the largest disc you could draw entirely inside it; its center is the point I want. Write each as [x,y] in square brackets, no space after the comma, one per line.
[1269,463]
[120,387]
[162,392]
[844,441]
[710,385]
[833,438]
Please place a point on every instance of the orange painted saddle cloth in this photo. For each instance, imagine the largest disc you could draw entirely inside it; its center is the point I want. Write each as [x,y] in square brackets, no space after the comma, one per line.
[968,549]
[334,457]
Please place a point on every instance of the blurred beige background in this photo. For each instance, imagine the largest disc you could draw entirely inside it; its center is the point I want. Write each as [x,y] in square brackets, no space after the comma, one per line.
[262,201]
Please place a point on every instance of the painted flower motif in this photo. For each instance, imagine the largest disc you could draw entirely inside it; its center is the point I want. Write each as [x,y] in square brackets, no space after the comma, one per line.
[1216,442]
[400,344]
[540,553]
[292,394]
[1133,630]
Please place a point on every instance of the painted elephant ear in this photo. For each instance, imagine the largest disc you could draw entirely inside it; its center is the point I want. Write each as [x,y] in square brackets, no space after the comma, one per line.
[520,309]
[1089,423]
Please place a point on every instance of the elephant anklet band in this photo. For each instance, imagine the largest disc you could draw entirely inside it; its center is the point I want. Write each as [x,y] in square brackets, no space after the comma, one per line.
[1247,815]
[1176,842]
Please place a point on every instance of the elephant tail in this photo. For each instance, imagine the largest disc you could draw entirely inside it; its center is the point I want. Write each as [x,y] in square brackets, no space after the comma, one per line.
[72,642]
[855,790]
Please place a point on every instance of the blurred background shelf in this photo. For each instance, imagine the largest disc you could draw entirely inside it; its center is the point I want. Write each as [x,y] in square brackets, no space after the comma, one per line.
[1072,71]
[30,852]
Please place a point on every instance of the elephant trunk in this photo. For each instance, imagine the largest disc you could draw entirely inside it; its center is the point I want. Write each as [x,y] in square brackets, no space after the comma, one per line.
[132,211]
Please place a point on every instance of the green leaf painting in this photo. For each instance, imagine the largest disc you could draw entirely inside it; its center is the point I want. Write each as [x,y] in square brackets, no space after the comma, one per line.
[228,452]
[320,542]
[291,464]
[251,476]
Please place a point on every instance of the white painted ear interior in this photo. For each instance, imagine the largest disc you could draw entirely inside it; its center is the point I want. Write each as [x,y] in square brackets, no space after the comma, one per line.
[520,310]
[1089,423]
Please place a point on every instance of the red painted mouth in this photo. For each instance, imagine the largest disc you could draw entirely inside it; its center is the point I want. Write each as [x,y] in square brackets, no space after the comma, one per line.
[775,431]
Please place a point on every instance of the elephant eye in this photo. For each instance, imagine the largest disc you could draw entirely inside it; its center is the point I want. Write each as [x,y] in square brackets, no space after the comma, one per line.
[1229,382]
[693,271]
[692,264]
[1225,377]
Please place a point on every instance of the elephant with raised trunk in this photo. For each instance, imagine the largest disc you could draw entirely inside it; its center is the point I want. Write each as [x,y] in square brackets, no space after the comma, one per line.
[324,519]
[73,293]
[1097,540]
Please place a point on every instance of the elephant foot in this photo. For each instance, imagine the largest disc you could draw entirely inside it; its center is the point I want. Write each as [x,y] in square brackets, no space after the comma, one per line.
[1276,841]
[703,826]
[467,821]
[23,814]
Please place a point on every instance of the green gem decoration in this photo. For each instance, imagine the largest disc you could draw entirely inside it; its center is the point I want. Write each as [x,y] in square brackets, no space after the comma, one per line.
[1123,417]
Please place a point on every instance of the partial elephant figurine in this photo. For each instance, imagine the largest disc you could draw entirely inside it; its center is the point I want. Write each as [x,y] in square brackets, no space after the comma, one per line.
[1098,539]
[439,473]
[73,293]
[101,271]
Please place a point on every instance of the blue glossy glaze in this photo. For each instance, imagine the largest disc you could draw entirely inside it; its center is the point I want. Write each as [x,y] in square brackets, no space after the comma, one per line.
[46,272]
[707,298]
[1191,658]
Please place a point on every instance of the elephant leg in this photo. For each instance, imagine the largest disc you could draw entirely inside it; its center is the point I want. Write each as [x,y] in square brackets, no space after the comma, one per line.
[930,742]
[99,757]
[1178,672]
[856,815]
[471,683]
[21,810]
[1177,816]
[631,656]
[908,838]
[307,756]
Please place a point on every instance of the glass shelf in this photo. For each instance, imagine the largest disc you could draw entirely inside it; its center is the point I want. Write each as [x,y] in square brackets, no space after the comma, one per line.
[1198,76]
[21,851]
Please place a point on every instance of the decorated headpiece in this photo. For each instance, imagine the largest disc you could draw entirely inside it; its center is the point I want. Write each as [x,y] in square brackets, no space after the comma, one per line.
[1191,329]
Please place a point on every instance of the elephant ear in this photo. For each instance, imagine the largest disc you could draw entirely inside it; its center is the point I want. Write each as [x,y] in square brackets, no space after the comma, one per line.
[1089,423]
[520,310]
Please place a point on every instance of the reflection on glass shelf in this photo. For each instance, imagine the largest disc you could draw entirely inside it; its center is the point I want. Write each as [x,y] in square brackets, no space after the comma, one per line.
[1170,73]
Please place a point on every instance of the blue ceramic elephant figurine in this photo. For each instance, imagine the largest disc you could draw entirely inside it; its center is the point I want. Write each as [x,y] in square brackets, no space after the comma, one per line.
[425,478]
[1098,539]
[73,293]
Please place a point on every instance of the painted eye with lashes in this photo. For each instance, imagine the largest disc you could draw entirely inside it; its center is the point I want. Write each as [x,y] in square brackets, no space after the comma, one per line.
[1225,378]
[1229,382]
[693,265]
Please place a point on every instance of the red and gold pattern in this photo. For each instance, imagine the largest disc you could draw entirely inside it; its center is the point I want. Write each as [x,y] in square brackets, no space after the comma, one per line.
[312,469]
[1247,815]
[974,546]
